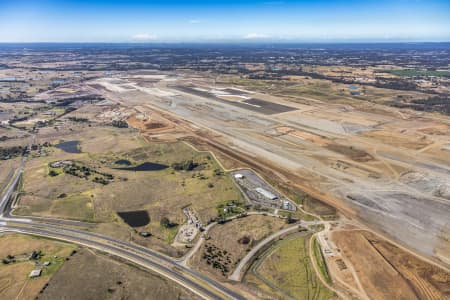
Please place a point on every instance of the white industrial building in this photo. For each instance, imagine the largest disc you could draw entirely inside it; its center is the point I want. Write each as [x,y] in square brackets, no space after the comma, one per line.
[266,193]
[35,273]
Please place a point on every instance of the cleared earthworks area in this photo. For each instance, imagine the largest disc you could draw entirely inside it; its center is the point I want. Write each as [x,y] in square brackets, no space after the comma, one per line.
[284,271]
[17,263]
[116,172]
[397,275]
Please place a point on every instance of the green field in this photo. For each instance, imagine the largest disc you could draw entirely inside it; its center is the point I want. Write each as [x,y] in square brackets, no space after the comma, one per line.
[286,267]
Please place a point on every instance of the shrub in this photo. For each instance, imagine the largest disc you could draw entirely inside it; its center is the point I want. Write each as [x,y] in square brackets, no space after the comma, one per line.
[53,173]
[244,240]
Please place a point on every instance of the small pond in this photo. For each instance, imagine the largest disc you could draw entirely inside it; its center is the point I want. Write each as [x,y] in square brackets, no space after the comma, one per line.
[137,218]
[69,146]
[147,166]
[123,162]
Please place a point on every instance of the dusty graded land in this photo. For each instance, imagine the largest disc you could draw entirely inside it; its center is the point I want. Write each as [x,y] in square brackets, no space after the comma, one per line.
[357,160]
[397,273]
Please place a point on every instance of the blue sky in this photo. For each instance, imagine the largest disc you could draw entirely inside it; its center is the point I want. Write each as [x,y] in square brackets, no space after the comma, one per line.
[224,21]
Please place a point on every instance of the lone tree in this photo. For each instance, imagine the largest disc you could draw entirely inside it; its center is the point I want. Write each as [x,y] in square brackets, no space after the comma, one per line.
[165,222]
[290,219]
[53,173]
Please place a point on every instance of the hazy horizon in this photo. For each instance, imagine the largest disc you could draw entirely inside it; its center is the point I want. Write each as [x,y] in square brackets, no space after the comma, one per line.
[201,21]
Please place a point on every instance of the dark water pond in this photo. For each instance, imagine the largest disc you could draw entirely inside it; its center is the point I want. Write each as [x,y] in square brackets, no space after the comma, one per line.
[69,146]
[137,218]
[123,162]
[147,166]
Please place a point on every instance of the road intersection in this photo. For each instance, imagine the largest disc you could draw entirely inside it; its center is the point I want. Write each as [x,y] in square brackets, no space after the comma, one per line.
[199,284]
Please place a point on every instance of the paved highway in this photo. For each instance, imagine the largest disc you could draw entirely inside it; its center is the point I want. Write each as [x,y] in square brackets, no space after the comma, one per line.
[238,271]
[199,284]
[166,269]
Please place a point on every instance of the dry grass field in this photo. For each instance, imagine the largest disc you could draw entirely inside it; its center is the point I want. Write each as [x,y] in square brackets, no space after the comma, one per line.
[162,193]
[7,168]
[229,242]
[96,276]
[303,88]
[14,280]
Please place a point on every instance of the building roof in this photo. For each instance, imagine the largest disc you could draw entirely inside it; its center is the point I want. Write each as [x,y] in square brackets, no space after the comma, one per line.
[266,193]
[35,273]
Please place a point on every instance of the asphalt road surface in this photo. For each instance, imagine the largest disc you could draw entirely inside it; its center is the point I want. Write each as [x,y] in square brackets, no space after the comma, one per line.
[201,285]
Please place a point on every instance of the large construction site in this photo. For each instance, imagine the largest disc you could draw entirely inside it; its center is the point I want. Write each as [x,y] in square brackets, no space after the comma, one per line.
[386,167]
[295,188]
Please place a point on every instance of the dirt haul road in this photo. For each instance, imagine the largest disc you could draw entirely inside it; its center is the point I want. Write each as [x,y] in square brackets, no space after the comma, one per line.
[400,191]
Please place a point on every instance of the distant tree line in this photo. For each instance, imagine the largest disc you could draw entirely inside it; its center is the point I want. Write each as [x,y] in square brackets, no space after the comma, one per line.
[77,119]
[439,104]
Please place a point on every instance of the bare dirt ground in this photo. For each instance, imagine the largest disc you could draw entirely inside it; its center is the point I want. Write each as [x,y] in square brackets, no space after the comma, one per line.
[88,275]
[366,185]
[429,282]
[397,275]
[382,282]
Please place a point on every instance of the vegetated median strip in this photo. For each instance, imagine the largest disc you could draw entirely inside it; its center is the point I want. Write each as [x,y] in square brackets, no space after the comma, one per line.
[317,269]
[318,256]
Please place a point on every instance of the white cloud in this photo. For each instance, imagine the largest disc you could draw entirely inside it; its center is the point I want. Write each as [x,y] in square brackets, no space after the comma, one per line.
[274,2]
[252,36]
[143,37]
[194,21]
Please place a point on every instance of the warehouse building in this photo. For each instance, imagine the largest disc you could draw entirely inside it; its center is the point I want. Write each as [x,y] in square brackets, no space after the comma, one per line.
[266,193]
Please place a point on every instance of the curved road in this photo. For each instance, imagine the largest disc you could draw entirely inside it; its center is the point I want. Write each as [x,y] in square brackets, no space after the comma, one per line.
[237,273]
[199,284]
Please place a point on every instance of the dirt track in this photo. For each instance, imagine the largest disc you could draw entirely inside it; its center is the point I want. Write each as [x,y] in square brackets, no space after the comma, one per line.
[359,175]
[398,275]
